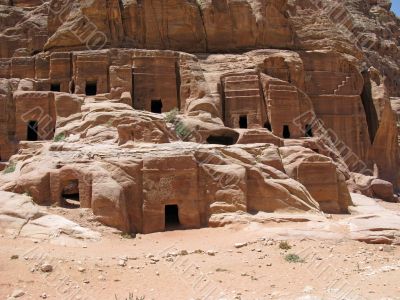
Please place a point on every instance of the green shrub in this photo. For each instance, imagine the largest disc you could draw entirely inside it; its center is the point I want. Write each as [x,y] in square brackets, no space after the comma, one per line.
[182,131]
[59,137]
[293,258]
[10,168]
[170,116]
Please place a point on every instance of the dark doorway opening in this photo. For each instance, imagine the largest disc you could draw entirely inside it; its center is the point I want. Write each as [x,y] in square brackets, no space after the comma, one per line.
[172,217]
[72,87]
[70,194]
[243,121]
[309,132]
[133,87]
[91,88]
[286,132]
[156,106]
[220,140]
[267,125]
[55,87]
[32,131]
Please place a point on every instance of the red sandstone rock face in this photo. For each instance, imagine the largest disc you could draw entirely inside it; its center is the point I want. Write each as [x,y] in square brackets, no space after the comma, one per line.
[366,30]
[192,26]
[98,104]
[23,28]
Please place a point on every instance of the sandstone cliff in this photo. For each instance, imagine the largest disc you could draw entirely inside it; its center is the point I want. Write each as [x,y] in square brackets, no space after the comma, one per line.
[365,29]
[213,106]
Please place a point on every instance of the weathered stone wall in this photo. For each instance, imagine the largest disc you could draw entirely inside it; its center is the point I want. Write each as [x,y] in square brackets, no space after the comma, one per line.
[191,26]
[155,78]
[170,181]
[363,29]
[243,101]
[34,107]
[274,90]
[131,192]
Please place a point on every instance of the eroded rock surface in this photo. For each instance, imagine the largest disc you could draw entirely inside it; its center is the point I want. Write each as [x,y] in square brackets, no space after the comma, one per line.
[159,113]
[21,217]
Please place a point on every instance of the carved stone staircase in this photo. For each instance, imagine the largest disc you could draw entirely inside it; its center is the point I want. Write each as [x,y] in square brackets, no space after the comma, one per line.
[342,87]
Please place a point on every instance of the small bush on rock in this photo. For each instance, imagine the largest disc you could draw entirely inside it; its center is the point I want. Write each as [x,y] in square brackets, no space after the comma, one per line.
[59,137]
[10,169]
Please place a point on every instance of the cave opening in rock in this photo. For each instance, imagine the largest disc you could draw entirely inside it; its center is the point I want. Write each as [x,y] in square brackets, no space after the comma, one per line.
[91,88]
[55,87]
[243,121]
[309,132]
[172,217]
[286,132]
[156,106]
[72,87]
[220,140]
[268,126]
[70,194]
[369,107]
[32,131]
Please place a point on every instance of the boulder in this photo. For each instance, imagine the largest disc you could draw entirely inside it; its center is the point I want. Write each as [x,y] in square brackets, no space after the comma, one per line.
[21,217]
[383,190]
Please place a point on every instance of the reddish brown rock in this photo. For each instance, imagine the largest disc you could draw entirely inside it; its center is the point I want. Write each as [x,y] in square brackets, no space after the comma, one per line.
[177,25]
[306,166]
[383,189]
[113,117]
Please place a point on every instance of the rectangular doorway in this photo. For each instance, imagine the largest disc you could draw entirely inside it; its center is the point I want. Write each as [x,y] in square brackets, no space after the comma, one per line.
[286,132]
[156,106]
[91,88]
[243,121]
[32,131]
[55,87]
[172,217]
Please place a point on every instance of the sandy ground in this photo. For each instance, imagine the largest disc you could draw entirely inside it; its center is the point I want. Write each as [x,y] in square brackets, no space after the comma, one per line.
[155,266]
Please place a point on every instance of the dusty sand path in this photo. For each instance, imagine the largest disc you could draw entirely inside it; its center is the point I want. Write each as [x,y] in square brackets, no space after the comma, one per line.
[92,270]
